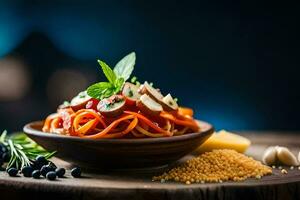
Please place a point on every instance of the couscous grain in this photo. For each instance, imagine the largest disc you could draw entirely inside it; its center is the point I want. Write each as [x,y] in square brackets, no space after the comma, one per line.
[216,166]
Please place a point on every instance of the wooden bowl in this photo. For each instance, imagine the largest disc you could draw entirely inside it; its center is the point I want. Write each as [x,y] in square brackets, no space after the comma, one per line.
[119,153]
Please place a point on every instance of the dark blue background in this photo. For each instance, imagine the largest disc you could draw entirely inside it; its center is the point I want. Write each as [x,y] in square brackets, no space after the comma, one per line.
[236,63]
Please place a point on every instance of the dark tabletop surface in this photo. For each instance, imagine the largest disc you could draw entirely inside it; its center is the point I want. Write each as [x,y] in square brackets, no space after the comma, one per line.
[137,184]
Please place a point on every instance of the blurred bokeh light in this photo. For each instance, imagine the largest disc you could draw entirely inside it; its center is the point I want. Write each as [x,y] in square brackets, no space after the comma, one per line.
[64,84]
[14,79]
[13,27]
[236,63]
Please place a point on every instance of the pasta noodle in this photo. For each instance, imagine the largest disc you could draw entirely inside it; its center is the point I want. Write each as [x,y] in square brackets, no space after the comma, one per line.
[88,123]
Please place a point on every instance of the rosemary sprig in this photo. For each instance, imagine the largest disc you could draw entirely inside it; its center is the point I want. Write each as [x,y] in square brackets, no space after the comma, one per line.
[22,150]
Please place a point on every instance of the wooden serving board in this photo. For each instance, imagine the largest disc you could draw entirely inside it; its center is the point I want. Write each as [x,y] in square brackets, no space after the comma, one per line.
[138,185]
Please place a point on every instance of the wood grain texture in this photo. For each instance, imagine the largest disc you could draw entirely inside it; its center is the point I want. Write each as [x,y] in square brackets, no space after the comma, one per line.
[138,184]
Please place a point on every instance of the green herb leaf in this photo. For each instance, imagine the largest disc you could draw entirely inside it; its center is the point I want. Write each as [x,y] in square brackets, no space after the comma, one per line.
[49,155]
[125,66]
[108,72]
[3,136]
[100,90]
[22,150]
[119,84]
[107,93]
[116,78]
[133,80]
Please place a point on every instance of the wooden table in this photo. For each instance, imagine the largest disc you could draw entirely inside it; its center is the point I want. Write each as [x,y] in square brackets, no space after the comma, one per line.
[138,185]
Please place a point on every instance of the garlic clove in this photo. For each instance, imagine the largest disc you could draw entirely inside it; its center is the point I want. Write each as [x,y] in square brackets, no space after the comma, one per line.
[286,157]
[299,156]
[269,155]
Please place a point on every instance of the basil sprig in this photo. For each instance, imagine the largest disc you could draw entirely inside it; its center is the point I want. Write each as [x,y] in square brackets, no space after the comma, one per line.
[125,66]
[116,78]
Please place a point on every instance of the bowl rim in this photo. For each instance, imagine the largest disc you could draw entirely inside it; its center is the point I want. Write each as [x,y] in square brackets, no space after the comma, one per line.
[30,131]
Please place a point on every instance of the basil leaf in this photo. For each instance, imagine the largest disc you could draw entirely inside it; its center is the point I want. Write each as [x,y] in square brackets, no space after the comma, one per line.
[99,90]
[116,77]
[125,66]
[107,93]
[119,84]
[108,72]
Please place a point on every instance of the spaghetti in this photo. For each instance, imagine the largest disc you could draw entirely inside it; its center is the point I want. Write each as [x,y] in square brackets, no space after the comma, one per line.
[90,123]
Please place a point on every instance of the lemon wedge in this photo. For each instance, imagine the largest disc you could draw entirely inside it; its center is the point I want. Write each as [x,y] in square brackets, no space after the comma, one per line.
[225,140]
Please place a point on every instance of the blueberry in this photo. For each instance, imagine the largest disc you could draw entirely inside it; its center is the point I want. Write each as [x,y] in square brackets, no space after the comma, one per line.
[52,166]
[51,176]
[5,157]
[44,170]
[36,174]
[27,171]
[36,165]
[76,172]
[12,172]
[60,172]
[41,160]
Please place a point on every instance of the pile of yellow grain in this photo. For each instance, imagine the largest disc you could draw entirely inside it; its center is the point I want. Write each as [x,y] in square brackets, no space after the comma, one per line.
[216,166]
